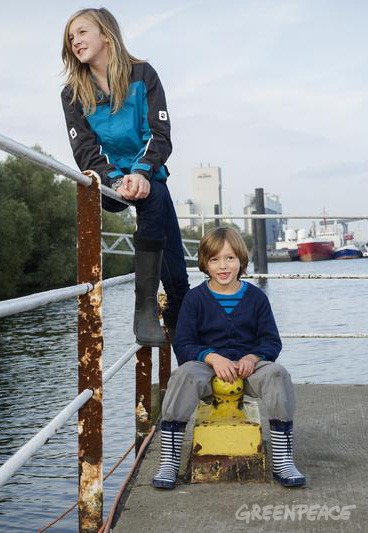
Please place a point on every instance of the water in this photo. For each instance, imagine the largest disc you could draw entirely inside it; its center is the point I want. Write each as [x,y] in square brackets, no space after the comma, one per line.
[38,377]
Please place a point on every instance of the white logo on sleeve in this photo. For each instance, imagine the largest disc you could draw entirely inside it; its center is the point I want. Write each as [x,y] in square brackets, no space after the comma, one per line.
[162,115]
[72,133]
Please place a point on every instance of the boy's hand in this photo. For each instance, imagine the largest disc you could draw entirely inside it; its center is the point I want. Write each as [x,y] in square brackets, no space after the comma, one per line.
[246,365]
[224,368]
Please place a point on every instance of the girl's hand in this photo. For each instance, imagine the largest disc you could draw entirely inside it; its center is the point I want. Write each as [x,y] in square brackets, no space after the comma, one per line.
[223,367]
[246,365]
[134,187]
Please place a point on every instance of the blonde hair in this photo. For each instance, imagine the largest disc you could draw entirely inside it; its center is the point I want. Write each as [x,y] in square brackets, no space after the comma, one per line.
[214,240]
[119,68]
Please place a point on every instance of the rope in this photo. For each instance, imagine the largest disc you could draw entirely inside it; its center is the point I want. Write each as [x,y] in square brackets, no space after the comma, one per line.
[107,524]
[63,515]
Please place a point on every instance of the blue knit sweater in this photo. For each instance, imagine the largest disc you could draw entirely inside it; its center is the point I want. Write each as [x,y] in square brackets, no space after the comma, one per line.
[203,324]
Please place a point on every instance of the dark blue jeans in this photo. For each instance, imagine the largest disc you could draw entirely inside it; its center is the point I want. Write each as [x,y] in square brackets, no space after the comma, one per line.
[156,220]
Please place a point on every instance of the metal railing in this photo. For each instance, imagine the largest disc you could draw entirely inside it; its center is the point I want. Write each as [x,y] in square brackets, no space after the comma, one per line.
[20,150]
[88,403]
[34,444]
[143,388]
[122,244]
[32,301]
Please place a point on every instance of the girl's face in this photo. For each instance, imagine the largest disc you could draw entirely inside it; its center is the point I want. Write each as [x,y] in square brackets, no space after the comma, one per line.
[88,44]
[223,270]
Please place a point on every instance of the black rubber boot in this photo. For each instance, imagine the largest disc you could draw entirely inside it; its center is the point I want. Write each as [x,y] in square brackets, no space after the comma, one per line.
[148,259]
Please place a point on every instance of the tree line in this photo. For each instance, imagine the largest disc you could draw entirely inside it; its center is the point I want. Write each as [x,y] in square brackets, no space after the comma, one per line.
[38,231]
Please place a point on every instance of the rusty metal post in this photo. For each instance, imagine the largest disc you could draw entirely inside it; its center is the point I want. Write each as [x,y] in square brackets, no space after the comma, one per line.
[90,493]
[143,409]
[164,370]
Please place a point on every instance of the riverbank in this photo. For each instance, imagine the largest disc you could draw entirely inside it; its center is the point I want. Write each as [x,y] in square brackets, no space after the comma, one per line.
[331,436]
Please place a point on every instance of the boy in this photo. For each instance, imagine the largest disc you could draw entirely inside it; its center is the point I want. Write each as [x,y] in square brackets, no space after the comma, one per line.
[226,327]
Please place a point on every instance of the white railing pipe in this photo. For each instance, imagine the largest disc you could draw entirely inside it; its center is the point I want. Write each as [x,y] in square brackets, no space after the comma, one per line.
[35,443]
[32,301]
[32,446]
[223,216]
[106,376]
[324,335]
[45,161]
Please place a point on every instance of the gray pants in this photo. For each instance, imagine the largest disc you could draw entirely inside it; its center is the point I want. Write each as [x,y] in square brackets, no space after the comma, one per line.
[192,381]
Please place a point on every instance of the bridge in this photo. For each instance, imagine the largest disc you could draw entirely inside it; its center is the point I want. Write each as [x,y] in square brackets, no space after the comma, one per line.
[122,244]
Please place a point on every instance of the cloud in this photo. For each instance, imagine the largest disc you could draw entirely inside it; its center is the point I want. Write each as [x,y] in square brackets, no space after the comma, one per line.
[193,83]
[149,22]
[340,170]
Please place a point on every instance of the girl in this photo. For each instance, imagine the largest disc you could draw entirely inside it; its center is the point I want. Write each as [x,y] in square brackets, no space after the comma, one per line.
[226,328]
[118,124]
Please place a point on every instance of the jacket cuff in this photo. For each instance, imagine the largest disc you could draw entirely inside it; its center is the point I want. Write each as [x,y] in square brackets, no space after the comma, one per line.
[114,175]
[201,356]
[143,169]
[262,357]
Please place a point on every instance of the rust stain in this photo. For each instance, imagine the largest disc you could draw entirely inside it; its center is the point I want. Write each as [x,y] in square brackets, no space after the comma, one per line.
[95,300]
[97,394]
[164,365]
[95,270]
[197,448]
[85,359]
[98,345]
[91,488]
[143,420]
[141,413]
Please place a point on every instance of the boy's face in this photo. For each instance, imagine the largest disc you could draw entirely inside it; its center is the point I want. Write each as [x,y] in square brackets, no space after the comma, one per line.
[223,270]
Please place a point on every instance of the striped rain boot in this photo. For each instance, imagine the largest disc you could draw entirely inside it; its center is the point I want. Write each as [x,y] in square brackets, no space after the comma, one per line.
[283,468]
[172,434]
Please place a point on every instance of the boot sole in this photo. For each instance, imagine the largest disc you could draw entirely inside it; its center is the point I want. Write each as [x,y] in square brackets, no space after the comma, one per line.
[151,344]
[290,482]
[158,484]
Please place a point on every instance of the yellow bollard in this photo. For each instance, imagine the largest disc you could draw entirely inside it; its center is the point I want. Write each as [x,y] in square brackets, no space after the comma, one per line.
[227,437]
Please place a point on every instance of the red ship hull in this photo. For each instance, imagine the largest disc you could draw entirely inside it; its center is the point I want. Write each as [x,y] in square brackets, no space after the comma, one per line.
[313,250]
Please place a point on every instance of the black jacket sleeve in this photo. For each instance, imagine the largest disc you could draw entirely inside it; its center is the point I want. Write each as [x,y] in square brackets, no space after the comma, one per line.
[155,126]
[86,149]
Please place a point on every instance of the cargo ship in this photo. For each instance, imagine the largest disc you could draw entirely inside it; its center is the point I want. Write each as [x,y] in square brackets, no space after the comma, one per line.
[319,245]
[348,251]
[315,249]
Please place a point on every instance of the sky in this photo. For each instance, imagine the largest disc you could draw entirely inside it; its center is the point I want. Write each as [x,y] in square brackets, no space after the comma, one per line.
[272,91]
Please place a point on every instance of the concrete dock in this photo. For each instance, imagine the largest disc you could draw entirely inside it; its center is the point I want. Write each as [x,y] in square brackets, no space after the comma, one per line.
[331,448]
